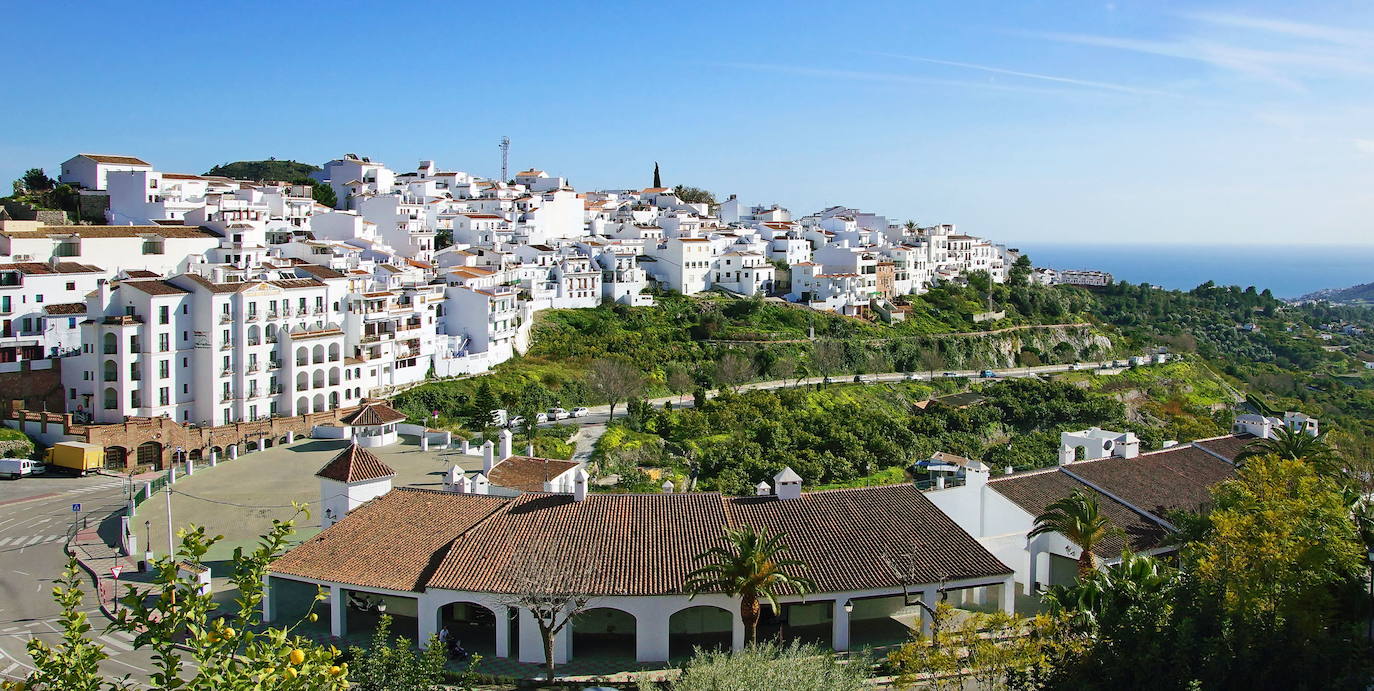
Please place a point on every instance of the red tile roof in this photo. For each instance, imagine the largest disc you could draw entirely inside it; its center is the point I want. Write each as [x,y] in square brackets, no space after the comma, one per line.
[371,414]
[1035,491]
[528,474]
[355,464]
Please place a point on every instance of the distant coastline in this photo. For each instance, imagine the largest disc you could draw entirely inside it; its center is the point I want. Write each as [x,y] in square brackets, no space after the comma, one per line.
[1288,271]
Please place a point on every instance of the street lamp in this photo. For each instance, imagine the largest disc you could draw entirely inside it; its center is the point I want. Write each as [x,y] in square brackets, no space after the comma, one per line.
[848,606]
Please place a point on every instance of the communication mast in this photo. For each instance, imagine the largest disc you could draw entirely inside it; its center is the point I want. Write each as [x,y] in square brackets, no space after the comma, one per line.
[505,159]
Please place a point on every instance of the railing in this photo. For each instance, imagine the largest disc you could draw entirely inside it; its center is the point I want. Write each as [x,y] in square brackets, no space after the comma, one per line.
[252,367]
[226,345]
[226,318]
[272,315]
[253,316]
[273,364]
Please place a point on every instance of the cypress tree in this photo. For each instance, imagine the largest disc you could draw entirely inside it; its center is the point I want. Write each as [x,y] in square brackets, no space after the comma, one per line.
[658,182]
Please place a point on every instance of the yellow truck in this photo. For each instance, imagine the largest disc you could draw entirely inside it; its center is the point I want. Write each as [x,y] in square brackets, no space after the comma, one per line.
[75,457]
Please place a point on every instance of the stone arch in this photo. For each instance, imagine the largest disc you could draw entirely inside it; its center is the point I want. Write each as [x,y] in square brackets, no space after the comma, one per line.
[281,440]
[150,453]
[605,632]
[472,623]
[709,627]
[116,458]
[196,454]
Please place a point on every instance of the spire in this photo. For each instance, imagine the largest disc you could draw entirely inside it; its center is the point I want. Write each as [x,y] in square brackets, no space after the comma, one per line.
[658,181]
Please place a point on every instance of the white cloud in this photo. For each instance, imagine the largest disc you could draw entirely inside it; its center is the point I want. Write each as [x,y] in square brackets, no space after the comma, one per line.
[1364,146]
[1034,75]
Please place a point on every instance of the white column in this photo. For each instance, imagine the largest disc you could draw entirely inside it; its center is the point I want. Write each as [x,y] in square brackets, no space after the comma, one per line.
[532,644]
[930,596]
[736,630]
[336,611]
[269,603]
[233,451]
[502,630]
[427,624]
[290,436]
[651,636]
[1034,573]
[1009,595]
[840,631]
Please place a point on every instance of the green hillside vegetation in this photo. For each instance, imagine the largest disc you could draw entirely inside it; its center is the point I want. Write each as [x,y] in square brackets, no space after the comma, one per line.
[856,435]
[270,169]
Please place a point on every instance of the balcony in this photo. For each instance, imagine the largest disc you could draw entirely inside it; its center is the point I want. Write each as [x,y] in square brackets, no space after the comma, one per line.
[226,345]
[254,342]
[226,371]
[273,365]
[226,318]
[252,367]
[226,396]
[273,314]
[253,316]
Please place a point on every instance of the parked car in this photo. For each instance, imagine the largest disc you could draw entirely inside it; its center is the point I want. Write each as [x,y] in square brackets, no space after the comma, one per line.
[15,468]
[516,421]
[558,414]
[580,411]
[540,418]
[1075,366]
[911,376]
[951,374]
[988,374]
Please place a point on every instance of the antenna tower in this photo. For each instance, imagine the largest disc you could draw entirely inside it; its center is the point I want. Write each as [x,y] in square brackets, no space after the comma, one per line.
[505,159]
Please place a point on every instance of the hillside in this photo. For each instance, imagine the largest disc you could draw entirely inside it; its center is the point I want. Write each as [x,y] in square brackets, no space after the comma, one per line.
[1360,294]
[271,169]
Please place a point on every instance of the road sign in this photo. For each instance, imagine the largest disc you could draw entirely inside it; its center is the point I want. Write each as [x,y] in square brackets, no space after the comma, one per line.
[76,508]
[116,570]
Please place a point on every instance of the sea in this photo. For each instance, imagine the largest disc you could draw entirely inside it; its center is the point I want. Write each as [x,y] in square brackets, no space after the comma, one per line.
[1289,271]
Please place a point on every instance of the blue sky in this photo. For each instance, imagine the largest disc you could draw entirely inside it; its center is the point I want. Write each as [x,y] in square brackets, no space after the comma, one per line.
[1030,122]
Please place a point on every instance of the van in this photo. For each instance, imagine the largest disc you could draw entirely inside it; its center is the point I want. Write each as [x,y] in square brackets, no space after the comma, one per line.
[15,468]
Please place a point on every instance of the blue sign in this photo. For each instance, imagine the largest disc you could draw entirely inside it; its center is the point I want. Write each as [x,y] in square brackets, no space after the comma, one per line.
[76,508]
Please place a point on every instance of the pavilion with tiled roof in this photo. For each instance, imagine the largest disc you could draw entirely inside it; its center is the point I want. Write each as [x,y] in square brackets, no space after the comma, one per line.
[372,424]
[454,559]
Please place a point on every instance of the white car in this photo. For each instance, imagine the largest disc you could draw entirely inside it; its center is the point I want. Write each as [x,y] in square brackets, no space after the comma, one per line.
[558,414]
[540,418]
[580,412]
[516,421]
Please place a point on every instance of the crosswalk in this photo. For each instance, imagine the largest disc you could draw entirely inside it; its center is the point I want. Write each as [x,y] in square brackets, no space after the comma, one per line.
[29,540]
[96,487]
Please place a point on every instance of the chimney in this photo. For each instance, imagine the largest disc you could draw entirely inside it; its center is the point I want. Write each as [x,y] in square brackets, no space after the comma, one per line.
[1009,470]
[976,474]
[580,484]
[505,444]
[789,484]
[667,486]
[480,484]
[487,452]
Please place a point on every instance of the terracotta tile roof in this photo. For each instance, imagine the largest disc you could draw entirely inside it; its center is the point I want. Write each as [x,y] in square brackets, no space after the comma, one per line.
[1228,446]
[66,308]
[181,176]
[142,273]
[1174,479]
[154,287]
[391,553]
[117,160]
[641,544]
[355,464]
[373,414]
[115,232]
[1035,491]
[319,271]
[40,268]
[528,474]
[842,534]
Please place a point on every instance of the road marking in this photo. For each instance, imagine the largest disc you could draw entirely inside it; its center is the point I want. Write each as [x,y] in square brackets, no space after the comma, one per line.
[6,541]
[121,662]
[116,643]
[7,670]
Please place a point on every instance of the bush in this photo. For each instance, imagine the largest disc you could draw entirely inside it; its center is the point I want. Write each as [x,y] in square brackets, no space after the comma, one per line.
[794,667]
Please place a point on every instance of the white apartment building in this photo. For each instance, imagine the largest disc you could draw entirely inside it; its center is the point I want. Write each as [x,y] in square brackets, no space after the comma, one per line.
[41,306]
[90,171]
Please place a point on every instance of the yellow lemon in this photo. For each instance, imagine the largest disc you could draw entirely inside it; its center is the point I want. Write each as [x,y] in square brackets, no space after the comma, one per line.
[297,656]
[290,673]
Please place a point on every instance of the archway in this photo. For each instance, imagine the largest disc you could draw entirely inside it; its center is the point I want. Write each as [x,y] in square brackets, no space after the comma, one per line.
[302,381]
[301,357]
[150,453]
[217,452]
[333,399]
[282,440]
[333,376]
[196,454]
[111,371]
[116,458]
[472,625]
[267,442]
[319,403]
[318,382]
[702,626]
[604,632]
[808,622]
[317,354]
[252,445]
[333,352]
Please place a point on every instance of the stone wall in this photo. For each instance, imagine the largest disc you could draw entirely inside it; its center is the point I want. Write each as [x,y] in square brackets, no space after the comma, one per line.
[151,443]
[37,384]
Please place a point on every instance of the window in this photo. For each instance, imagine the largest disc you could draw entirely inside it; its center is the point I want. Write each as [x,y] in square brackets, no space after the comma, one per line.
[164,314]
[111,399]
[184,309]
[71,285]
[185,362]
[71,322]
[226,363]
[72,394]
[164,396]
[185,389]
[185,336]
[164,342]
[135,399]
[27,325]
[164,369]
[133,371]
[5,304]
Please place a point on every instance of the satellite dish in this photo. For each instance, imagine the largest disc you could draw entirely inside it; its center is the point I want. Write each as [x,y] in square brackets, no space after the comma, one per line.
[1107,445]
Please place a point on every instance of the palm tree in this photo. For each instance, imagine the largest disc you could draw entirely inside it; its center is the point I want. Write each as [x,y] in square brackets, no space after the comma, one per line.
[748,565]
[1292,445]
[1078,519]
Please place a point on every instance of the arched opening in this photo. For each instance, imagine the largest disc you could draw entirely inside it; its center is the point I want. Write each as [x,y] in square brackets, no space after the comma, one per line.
[111,370]
[254,335]
[271,333]
[217,452]
[282,440]
[319,379]
[302,381]
[116,458]
[111,399]
[333,352]
[883,620]
[703,626]
[301,357]
[150,454]
[302,406]
[808,622]
[333,399]
[319,403]
[604,632]
[267,443]
[333,376]
[252,445]
[196,454]
[111,343]
[317,354]
[472,625]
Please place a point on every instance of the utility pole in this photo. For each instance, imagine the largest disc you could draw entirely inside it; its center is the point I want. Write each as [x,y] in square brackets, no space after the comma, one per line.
[505,159]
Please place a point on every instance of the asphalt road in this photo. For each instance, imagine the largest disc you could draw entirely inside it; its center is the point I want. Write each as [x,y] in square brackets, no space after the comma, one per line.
[35,519]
